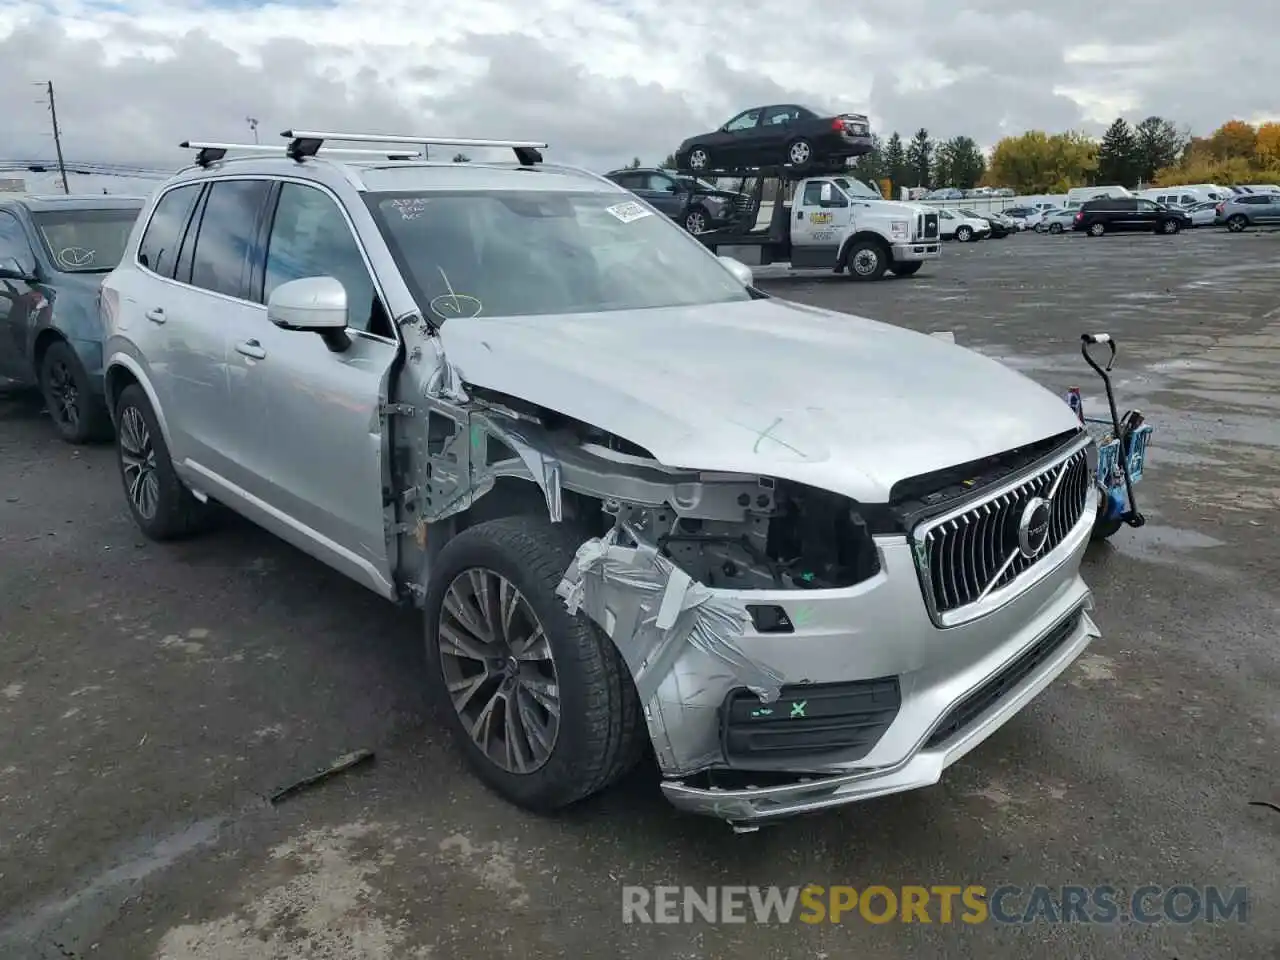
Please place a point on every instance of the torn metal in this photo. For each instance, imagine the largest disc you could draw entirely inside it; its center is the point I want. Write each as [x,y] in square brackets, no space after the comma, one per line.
[676,636]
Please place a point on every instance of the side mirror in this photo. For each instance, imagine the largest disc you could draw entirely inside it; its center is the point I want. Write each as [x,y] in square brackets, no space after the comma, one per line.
[313,304]
[12,269]
[739,270]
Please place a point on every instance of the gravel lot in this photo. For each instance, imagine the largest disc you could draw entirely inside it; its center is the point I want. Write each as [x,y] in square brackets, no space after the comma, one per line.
[151,697]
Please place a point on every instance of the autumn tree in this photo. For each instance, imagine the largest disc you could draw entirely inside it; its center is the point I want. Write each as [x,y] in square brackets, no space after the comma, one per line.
[1267,146]
[1234,139]
[919,159]
[895,162]
[1037,162]
[1118,155]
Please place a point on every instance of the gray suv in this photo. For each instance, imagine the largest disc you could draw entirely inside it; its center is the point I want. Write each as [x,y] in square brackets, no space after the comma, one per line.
[1249,210]
[641,505]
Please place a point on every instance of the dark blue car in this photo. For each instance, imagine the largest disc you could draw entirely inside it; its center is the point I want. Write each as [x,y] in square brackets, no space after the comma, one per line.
[54,254]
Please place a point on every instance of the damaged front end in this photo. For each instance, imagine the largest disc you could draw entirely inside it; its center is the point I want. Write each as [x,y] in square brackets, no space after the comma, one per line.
[777,634]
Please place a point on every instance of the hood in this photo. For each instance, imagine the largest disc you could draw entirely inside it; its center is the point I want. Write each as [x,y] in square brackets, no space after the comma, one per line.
[765,387]
[895,207]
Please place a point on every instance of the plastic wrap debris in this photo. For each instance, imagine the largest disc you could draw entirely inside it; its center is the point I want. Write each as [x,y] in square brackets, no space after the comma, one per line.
[651,609]
[537,457]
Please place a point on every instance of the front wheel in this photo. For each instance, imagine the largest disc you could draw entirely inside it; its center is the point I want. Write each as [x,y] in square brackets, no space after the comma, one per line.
[540,701]
[1170,227]
[162,506]
[77,411]
[1055,228]
[866,260]
[1237,223]
[909,269]
[697,220]
[964,234]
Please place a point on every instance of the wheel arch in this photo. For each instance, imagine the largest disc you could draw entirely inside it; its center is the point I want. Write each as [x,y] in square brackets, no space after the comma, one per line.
[871,235]
[121,371]
[45,338]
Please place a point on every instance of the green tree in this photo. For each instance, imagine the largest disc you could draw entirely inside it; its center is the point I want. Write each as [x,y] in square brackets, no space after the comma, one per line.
[1159,145]
[870,166]
[965,163]
[1118,157]
[941,174]
[895,162]
[633,165]
[670,162]
[920,159]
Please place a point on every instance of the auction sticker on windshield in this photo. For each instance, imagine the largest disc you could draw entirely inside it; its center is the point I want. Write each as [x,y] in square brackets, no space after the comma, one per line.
[626,212]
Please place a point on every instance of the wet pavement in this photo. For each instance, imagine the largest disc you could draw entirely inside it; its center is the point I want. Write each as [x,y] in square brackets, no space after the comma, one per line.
[151,698]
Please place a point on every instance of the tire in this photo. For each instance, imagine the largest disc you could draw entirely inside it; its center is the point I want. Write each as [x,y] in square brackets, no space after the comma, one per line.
[78,413]
[699,159]
[964,234]
[1237,222]
[1055,228]
[697,220]
[1170,227]
[800,153]
[866,260]
[908,269]
[161,505]
[600,733]
[1105,529]
[1097,229]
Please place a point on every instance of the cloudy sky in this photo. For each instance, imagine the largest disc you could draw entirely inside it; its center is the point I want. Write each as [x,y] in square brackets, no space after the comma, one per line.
[605,80]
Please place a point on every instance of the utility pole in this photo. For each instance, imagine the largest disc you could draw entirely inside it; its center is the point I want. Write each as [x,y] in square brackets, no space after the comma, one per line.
[57,136]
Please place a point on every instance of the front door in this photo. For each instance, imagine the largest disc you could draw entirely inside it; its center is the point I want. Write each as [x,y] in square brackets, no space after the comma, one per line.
[20,302]
[817,225]
[312,451]
[662,192]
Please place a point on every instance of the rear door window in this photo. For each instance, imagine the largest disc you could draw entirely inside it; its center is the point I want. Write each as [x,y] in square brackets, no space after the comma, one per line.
[228,232]
[158,250]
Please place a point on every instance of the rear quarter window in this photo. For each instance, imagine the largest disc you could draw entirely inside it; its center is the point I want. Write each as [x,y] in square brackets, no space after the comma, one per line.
[158,249]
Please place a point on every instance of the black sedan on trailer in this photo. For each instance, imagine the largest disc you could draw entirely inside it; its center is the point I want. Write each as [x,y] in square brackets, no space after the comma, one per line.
[778,134]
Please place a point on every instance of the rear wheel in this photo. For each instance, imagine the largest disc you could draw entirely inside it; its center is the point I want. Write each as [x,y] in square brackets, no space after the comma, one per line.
[162,506]
[866,260]
[908,269]
[1169,226]
[1097,229]
[77,412]
[1237,222]
[539,700]
[699,159]
[800,153]
[697,220]
[1055,228]
[964,234]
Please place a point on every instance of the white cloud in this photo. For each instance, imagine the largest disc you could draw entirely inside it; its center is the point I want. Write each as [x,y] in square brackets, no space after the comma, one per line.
[605,80]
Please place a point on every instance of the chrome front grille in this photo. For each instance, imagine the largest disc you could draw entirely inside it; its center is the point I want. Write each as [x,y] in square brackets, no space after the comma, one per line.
[968,556]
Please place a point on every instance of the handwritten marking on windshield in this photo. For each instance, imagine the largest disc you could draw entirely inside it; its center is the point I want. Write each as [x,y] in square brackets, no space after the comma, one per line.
[76,256]
[454,305]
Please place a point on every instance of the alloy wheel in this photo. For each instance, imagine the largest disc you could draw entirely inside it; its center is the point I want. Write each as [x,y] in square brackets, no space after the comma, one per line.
[138,460]
[865,262]
[698,159]
[695,222]
[500,671]
[65,395]
[800,153]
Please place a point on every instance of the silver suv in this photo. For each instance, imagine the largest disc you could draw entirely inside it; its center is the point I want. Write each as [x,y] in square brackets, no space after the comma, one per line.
[809,558]
[1249,210]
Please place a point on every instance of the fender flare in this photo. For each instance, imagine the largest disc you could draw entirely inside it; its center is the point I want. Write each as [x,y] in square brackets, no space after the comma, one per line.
[864,235]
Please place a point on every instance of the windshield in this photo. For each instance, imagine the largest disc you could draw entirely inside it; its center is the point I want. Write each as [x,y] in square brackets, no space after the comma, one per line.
[85,241]
[856,188]
[524,253]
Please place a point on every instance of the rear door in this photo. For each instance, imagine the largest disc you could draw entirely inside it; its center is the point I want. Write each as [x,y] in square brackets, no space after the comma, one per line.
[1146,214]
[311,445]
[20,302]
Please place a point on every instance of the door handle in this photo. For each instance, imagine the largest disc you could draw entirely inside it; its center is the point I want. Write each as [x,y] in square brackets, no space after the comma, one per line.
[251,348]
[799,214]
[156,315]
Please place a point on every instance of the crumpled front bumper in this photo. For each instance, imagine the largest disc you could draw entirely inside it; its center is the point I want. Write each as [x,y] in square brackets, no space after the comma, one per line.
[923,767]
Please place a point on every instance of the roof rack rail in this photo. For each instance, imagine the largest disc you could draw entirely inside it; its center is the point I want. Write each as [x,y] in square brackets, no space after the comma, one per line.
[210,153]
[305,143]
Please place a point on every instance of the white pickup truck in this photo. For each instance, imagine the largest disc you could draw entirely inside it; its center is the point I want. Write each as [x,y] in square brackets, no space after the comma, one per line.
[837,222]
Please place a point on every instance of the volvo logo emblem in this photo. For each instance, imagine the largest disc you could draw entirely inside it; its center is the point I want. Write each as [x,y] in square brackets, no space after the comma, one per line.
[1033,527]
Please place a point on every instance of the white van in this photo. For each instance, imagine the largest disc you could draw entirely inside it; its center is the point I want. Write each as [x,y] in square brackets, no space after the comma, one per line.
[1078,195]
[1187,194]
